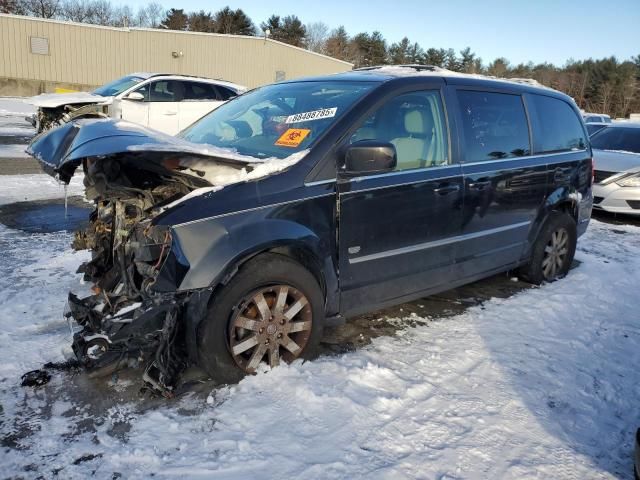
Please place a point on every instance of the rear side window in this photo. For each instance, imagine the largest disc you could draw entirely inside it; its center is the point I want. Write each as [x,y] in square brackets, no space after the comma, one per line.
[199,91]
[556,126]
[494,125]
[225,93]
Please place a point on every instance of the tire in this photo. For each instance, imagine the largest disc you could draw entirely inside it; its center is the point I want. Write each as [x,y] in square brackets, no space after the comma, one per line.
[551,258]
[235,303]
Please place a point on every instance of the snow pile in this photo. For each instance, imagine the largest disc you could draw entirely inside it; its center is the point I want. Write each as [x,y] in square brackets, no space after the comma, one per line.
[53,100]
[220,175]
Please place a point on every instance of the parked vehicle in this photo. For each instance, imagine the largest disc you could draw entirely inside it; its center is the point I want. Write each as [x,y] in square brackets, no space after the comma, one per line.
[168,103]
[596,118]
[616,151]
[595,127]
[305,202]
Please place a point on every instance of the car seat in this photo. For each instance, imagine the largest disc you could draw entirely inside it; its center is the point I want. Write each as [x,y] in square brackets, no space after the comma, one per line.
[414,147]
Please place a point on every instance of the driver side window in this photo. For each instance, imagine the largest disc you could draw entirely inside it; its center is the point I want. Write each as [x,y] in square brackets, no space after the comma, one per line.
[414,123]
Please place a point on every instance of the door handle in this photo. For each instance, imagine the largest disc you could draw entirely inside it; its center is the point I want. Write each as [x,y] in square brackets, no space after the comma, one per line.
[169,112]
[445,189]
[480,185]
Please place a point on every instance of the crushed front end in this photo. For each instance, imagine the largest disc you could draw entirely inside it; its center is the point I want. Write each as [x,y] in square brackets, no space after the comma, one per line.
[126,322]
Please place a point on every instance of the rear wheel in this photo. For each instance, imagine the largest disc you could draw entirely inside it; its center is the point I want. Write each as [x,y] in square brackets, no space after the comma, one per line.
[553,250]
[270,312]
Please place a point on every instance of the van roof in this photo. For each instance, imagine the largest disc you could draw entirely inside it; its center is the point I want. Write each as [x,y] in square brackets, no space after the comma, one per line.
[386,73]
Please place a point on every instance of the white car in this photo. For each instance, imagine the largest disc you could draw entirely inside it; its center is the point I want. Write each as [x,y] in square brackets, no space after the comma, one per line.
[596,118]
[616,152]
[168,103]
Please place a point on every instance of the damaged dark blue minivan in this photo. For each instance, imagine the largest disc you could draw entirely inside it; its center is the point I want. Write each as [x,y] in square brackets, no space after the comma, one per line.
[302,203]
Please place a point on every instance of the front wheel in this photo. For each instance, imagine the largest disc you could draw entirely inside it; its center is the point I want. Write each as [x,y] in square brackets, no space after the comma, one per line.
[270,312]
[553,250]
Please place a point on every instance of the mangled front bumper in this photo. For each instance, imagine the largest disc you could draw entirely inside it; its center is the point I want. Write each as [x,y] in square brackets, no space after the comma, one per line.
[142,333]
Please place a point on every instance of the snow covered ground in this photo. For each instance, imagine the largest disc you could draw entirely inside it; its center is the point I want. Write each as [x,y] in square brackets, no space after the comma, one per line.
[542,384]
[15,131]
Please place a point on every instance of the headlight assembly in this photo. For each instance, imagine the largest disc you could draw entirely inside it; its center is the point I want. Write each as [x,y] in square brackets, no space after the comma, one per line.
[629,181]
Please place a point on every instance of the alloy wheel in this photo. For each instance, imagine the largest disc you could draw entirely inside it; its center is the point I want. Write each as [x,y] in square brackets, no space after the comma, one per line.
[555,254]
[275,322]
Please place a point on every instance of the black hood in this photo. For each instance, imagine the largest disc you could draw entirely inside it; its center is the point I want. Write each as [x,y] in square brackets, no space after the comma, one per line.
[61,150]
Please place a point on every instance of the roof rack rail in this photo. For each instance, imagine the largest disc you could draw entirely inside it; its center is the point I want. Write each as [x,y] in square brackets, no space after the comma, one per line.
[415,66]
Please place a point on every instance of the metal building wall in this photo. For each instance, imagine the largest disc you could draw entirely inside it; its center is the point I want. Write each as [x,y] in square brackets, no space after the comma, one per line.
[91,55]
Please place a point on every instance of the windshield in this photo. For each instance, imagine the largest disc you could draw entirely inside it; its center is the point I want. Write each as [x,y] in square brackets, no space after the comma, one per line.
[617,138]
[118,86]
[277,120]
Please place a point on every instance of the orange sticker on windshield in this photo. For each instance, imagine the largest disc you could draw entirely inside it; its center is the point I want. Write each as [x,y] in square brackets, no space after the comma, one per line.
[293,137]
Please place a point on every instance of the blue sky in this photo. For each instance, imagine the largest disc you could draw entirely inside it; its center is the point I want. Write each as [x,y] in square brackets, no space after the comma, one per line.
[519,30]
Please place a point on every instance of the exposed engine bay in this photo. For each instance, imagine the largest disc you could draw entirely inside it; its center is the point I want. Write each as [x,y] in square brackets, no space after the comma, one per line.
[47,118]
[125,322]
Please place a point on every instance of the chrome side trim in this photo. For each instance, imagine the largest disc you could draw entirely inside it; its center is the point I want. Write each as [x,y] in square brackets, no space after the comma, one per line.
[422,180]
[228,214]
[319,182]
[436,243]
[404,172]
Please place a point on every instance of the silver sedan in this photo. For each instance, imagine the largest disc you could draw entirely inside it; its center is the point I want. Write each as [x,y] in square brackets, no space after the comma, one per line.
[616,151]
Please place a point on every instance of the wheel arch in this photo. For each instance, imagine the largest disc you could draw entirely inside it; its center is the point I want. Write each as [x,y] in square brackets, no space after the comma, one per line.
[235,247]
[559,201]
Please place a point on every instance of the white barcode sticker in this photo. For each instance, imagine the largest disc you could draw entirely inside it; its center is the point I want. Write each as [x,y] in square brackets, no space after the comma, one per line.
[314,115]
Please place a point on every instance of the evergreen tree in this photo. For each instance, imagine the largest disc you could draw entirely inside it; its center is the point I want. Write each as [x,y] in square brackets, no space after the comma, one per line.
[175,19]
[287,30]
[435,57]
[337,44]
[293,31]
[399,53]
[201,22]
[233,22]
[467,63]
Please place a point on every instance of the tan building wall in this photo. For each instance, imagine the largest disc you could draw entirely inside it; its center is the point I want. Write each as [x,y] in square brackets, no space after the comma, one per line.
[75,55]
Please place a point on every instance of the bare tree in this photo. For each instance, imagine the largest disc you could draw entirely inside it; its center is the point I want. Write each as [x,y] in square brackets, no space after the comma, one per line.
[122,16]
[154,14]
[76,11]
[317,35]
[102,12]
[141,18]
[42,8]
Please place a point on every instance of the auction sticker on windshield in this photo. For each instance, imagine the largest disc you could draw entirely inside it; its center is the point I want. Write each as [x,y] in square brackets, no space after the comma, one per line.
[314,115]
[293,137]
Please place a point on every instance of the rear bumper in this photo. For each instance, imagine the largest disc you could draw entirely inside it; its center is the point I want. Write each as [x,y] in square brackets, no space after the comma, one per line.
[615,199]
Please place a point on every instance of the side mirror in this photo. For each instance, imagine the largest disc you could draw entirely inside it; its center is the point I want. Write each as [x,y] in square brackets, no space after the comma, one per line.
[368,157]
[135,96]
